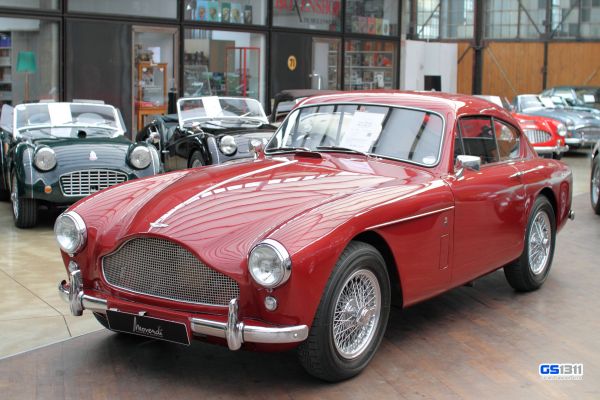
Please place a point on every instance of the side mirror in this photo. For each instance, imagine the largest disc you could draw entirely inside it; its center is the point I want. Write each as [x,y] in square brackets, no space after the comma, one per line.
[467,162]
[257,148]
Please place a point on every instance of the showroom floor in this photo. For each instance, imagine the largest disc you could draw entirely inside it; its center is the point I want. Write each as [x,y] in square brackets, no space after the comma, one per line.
[480,342]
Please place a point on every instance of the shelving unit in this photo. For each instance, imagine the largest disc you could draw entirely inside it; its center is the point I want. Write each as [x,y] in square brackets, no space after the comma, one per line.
[6,75]
[363,69]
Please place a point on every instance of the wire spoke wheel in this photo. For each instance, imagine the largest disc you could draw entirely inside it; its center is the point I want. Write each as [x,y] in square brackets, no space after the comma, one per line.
[14,197]
[356,314]
[540,242]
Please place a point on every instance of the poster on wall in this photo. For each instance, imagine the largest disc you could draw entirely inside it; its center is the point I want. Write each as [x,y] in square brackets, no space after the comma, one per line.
[248,14]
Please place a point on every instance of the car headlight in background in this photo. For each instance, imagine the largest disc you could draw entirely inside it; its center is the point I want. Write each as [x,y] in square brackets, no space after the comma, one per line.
[140,157]
[569,122]
[227,145]
[70,232]
[44,159]
[561,130]
[269,264]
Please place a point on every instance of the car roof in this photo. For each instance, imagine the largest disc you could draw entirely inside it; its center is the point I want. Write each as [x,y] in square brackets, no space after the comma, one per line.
[441,102]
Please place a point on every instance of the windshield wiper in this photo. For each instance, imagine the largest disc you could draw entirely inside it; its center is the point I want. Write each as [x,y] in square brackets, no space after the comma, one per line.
[343,150]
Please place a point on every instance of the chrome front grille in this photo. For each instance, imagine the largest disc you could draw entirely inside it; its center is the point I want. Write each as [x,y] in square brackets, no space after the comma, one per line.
[537,136]
[589,133]
[84,183]
[160,268]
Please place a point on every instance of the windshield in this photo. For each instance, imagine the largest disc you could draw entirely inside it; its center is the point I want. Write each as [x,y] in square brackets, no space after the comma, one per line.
[588,95]
[399,133]
[214,110]
[103,118]
[533,102]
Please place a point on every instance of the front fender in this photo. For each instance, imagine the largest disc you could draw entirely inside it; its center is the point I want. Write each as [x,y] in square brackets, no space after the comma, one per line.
[22,168]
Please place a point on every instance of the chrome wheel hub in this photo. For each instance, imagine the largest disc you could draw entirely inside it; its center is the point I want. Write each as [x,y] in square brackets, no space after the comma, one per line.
[540,242]
[357,313]
[196,164]
[14,197]
[596,184]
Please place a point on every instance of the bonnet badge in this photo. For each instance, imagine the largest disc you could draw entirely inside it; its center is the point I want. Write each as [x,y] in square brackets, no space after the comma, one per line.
[93,156]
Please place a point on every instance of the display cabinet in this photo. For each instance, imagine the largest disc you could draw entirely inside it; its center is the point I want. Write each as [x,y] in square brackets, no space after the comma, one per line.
[5,68]
[152,98]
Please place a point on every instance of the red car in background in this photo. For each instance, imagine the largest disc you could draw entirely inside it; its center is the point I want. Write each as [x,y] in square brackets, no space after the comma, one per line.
[547,135]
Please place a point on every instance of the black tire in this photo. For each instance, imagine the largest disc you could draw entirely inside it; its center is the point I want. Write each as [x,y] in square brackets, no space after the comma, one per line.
[320,354]
[102,319]
[595,185]
[557,156]
[25,211]
[196,160]
[523,275]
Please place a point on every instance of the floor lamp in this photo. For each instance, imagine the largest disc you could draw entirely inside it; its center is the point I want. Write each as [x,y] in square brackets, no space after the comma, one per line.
[26,63]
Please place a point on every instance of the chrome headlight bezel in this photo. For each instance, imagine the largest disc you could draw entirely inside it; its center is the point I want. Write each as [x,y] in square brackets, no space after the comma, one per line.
[561,129]
[227,145]
[44,159]
[282,267]
[140,157]
[74,229]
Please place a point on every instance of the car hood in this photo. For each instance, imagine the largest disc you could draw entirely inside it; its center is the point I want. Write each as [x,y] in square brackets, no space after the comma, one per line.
[222,211]
[91,152]
[579,118]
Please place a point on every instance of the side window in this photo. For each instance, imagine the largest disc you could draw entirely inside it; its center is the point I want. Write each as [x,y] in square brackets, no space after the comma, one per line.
[508,141]
[478,138]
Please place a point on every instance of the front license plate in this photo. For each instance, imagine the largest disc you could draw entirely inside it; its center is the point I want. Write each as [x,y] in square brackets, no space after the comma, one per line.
[147,326]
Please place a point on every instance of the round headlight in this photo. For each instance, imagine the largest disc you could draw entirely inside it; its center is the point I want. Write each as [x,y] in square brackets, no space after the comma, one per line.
[44,159]
[227,145]
[569,122]
[140,157]
[561,130]
[70,232]
[269,264]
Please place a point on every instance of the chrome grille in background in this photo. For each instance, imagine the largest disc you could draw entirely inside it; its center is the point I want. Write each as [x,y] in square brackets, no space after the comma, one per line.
[537,136]
[160,268]
[84,183]
[589,133]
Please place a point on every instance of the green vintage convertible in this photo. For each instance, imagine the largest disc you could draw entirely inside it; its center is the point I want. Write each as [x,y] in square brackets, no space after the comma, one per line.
[54,154]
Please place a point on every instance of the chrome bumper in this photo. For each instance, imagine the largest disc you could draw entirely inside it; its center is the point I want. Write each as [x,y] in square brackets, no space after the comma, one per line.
[236,332]
[551,149]
[233,331]
[581,142]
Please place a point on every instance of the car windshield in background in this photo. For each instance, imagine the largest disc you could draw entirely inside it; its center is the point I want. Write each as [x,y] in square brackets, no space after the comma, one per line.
[394,132]
[68,115]
[220,110]
[529,102]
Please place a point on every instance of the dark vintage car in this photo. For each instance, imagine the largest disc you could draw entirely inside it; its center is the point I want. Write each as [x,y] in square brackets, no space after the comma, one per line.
[583,127]
[595,179]
[358,198]
[54,154]
[576,96]
[208,130]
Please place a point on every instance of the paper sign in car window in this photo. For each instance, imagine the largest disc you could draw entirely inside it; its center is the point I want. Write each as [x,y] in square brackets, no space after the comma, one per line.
[547,102]
[60,113]
[363,131]
[589,98]
[212,106]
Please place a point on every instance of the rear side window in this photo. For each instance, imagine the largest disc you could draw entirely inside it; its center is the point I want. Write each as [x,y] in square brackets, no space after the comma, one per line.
[508,141]
[478,138]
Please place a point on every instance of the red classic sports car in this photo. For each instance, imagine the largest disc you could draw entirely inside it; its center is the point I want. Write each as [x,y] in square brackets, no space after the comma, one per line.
[358,198]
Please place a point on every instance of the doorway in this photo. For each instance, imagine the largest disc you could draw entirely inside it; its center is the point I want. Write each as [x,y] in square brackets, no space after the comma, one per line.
[305,62]
[154,73]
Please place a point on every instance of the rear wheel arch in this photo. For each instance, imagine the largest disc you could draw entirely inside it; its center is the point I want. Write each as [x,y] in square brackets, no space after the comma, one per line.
[376,240]
[549,194]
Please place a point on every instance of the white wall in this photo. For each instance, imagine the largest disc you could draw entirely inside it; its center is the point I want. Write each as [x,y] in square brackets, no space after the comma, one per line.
[422,58]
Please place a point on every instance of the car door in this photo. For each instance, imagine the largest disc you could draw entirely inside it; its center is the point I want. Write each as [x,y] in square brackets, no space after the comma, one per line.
[489,203]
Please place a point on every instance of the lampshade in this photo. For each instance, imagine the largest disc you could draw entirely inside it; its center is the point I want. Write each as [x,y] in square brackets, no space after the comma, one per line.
[26,62]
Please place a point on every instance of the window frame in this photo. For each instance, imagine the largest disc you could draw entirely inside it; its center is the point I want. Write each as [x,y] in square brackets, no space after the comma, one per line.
[492,120]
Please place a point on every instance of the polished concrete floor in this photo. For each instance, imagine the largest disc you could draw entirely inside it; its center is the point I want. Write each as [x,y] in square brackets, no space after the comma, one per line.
[480,342]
